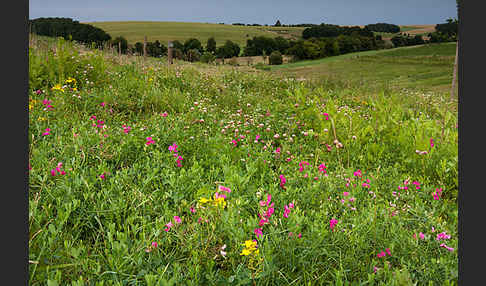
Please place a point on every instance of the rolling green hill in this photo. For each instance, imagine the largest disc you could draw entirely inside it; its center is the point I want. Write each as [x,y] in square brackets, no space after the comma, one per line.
[165,31]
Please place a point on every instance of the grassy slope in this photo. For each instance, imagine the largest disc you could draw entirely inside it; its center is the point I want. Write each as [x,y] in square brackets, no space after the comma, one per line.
[165,31]
[427,67]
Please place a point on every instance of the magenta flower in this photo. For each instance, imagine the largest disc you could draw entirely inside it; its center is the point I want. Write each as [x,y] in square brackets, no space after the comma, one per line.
[388,251]
[149,141]
[164,114]
[431,142]
[126,128]
[192,209]
[446,247]
[417,185]
[224,189]
[256,138]
[345,194]
[299,235]
[277,151]
[282,181]
[103,104]
[326,115]
[357,173]
[258,232]
[177,219]
[437,194]
[332,223]
[381,254]
[168,226]
[443,235]
[48,132]
[302,165]
[263,203]
[179,161]
[155,244]
[322,168]
[173,148]
[422,236]
[102,176]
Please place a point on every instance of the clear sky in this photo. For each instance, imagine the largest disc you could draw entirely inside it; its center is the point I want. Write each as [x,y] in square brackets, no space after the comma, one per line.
[338,12]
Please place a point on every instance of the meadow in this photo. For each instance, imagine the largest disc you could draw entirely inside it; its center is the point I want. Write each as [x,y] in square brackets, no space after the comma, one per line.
[182,31]
[146,174]
[427,68]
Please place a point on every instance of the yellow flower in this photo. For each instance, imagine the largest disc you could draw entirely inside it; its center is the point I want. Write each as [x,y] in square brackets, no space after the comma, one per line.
[75,89]
[58,87]
[250,244]
[245,252]
[70,79]
[41,118]
[204,200]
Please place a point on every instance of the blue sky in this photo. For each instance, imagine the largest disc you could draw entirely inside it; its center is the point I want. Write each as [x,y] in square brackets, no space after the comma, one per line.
[338,12]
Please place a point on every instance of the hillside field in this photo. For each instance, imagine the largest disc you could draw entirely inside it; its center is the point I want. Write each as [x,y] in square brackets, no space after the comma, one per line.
[165,31]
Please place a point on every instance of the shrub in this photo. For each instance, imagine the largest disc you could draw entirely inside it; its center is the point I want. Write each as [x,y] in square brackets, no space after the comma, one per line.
[275,58]
[207,57]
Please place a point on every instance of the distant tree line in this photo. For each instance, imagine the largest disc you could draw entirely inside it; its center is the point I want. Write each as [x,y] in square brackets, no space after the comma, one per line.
[383,27]
[445,32]
[328,30]
[69,29]
[407,40]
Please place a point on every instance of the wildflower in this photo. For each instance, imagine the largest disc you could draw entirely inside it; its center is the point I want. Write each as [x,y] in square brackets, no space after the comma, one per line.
[222,252]
[48,132]
[164,114]
[258,232]
[263,203]
[381,254]
[345,194]
[388,251]
[250,248]
[443,235]
[276,136]
[177,219]
[437,193]
[154,244]
[299,235]
[257,137]
[333,223]
[149,141]
[431,142]
[103,104]
[422,236]
[102,176]
[446,247]
[277,151]
[179,160]
[287,210]
[282,181]
[352,199]
[168,226]
[192,209]
[322,168]
[225,189]
[126,128]
[417,185]
[302,165]
[57,87]
[357,173]
[173,147]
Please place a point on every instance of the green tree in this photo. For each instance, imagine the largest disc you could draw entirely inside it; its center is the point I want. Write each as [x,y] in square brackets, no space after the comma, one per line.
[278,24]
[211,45]
[275,58]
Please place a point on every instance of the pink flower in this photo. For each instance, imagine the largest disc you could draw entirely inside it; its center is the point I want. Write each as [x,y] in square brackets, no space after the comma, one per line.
[446,247]
[224,189]
[168,226]
[417,185]
[352,199]
[149,141]
[263,221]
[302,165]
[164,114]
[155,244]
[282,181]
[381,254]
[102,176]
[263,203]
[357,173]
[126,128]
[422,236]
[443,235]
[299,235]
[326,115]
[431,142]
[333,223]
[388,251]
[173,147]
[48,131]
[179,161]
[437,194]
[177,219]
[53,172]
[218,195]
[322,168]
[192,209]
[345,194]
[103,104]
[258,232]
[256,138]
[277,151]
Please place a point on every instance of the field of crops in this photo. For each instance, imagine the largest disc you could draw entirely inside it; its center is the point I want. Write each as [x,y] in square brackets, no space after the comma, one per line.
[171,31]
[144,174]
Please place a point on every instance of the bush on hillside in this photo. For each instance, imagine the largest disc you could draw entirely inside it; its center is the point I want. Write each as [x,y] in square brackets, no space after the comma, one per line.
[207,57]
[275,58]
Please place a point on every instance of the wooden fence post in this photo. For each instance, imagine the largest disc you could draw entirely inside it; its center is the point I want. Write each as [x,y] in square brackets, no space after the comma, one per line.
[145,48]
[170,46]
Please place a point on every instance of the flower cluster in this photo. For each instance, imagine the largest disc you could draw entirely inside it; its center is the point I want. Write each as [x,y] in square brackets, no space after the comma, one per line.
[251,248]
[302,165]
[332,223]
[149,141]
[282,181]
[58,170]
[287,209]
[126,128]
[173,149]
[383,254]
[437,194]
[169,225]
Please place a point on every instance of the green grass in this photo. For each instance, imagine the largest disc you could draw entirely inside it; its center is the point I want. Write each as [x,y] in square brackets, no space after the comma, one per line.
[426,67]
[165,31]
[97,223]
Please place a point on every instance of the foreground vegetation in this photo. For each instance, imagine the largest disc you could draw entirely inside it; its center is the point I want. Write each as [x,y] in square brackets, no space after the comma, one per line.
[155,175]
